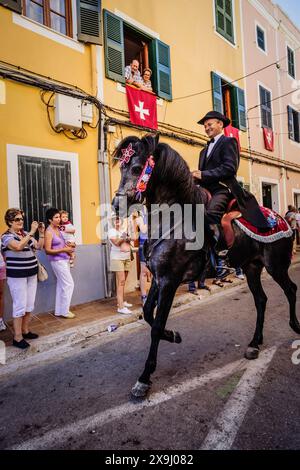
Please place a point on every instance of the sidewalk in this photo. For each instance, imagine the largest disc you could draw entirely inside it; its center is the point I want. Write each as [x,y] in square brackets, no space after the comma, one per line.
[95,317]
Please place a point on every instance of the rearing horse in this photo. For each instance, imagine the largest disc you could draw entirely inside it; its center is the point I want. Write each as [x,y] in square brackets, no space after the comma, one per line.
[168,260]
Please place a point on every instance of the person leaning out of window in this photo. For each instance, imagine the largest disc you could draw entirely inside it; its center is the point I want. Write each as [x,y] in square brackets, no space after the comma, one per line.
[21,269]
[146,80]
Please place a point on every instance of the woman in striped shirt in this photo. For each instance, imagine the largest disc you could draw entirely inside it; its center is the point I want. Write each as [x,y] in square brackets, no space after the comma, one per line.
[21,270]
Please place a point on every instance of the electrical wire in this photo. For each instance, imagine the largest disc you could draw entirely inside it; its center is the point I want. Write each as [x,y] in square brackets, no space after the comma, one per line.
[237,79]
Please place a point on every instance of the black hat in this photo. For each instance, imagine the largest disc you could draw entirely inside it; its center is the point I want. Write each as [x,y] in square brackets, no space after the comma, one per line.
[215,115]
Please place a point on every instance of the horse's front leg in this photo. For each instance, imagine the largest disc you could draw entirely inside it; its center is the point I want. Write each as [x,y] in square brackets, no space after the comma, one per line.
[151,303]
[166,293]
[167,335]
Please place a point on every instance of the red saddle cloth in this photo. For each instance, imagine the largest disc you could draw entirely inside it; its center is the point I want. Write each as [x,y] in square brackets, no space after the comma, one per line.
[279,228]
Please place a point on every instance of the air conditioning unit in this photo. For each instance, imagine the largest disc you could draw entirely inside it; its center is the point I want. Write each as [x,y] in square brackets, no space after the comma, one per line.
[67,112]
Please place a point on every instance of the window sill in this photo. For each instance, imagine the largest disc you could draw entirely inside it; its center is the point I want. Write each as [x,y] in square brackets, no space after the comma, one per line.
[49,33]
[232,44]
[121,88]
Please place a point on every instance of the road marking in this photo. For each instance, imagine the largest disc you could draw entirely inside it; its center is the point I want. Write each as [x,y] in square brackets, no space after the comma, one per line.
[60,435]
[225,428]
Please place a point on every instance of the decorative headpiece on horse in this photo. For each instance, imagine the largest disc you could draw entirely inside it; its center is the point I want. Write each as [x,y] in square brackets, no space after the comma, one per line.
[144,178]
[126,154]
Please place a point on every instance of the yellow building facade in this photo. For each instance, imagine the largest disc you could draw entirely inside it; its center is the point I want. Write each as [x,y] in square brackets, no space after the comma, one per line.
[61,56]
[45,70]
[197,48]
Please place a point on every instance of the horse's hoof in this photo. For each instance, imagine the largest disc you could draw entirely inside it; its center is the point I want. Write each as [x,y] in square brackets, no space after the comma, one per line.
[140,390]
[251,353]
[177,337]
[295,327]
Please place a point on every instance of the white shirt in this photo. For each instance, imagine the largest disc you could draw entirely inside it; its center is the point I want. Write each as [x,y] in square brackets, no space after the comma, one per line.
[298,219]
[212,144]
[115,251]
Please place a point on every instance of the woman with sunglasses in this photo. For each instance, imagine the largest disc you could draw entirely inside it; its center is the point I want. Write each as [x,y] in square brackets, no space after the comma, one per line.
[21,270]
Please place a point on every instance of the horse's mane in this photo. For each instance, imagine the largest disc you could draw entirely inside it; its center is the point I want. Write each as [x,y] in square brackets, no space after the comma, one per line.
[174,173]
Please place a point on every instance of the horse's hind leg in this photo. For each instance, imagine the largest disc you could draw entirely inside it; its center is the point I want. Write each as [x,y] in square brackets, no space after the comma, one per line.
[167,335]
[165,299]
[253,273]
[282,278]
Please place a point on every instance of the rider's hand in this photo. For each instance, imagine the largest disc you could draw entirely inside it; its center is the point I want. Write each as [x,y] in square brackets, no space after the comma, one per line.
[197,174]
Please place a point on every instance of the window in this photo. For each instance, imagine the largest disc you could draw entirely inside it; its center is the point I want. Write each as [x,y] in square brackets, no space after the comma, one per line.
[291,62]
[14,5]
[266,107]
[123,43]
[43,183]
[260,38]
[293,124]
[229,100]
[56,14]
[224,19]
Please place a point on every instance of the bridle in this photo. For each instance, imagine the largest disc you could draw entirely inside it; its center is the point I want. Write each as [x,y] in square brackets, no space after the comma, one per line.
[144,177]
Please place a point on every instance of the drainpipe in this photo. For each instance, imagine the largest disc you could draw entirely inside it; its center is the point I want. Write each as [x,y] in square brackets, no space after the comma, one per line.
[104,193]
[102,163]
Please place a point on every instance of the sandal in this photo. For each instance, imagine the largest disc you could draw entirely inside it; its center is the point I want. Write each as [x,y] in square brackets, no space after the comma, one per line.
[218,283]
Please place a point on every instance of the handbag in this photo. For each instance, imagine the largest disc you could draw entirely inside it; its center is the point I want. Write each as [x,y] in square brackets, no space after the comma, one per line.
[42,274]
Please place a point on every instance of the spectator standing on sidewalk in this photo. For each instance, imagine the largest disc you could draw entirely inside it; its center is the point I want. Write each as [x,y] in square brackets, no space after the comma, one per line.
[140,222]
[120,257]
[2,281]
[21,270]
[290,217]
[59,254]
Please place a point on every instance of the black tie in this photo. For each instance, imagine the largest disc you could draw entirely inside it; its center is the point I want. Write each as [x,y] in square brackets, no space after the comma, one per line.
[212,141]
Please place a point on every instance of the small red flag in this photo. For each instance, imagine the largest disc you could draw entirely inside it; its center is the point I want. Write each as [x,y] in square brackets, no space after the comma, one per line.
[142,107]
[231,131]
[269,139]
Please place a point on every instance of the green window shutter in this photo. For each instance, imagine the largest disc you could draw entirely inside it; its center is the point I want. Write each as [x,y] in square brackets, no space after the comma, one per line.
[224,19]
[14,5]
[89,21]
[239,119]
[162,70]
[114,47]
[217,96]
[290,123]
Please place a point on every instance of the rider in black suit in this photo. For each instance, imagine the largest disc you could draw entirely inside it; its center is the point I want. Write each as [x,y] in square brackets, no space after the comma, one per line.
[218,165]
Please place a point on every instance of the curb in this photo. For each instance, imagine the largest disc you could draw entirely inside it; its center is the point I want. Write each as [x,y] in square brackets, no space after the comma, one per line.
[79,334]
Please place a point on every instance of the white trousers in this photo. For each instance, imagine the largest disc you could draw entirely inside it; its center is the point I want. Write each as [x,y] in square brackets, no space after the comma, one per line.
[64,286]
[23,291]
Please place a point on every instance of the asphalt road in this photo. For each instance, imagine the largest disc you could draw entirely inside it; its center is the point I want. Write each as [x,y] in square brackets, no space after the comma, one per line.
[204,394]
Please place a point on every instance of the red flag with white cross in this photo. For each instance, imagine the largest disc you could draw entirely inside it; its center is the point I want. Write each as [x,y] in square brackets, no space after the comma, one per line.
[231,131]
[269,139]
[142,107]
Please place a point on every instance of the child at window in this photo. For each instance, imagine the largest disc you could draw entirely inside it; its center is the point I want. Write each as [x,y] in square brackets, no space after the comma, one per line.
[68,232]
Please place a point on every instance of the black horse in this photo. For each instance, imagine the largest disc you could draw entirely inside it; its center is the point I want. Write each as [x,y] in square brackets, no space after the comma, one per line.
[169,261]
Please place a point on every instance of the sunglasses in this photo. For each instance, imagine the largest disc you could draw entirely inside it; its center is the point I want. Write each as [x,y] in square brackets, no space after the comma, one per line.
[18,219]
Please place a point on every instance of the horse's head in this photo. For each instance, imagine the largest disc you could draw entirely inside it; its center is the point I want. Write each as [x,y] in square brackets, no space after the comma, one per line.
[135,157]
